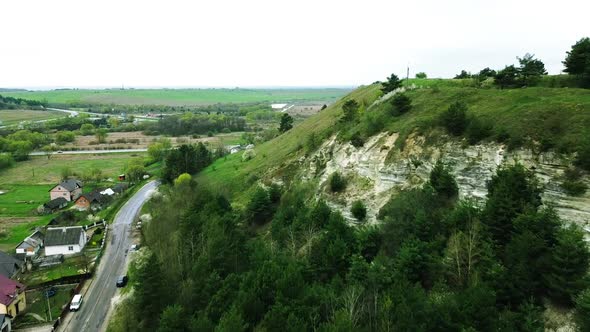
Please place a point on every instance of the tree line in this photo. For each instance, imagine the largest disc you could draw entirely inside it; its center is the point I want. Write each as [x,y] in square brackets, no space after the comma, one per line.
[530,69]
[15,103]
[286,261]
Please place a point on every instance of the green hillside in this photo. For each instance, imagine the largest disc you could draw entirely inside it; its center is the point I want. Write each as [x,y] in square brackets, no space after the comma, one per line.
[538,117]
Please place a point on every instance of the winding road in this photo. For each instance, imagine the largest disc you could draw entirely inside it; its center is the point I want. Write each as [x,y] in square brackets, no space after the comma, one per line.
[97,300]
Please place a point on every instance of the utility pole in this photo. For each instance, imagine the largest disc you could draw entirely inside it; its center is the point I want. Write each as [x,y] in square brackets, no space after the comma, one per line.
[48,305]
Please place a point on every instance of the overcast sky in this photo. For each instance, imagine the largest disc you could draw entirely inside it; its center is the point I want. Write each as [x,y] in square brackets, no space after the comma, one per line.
[242,43]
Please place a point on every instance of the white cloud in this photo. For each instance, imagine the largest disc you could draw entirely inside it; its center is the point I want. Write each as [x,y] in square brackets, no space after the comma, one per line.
[263,43]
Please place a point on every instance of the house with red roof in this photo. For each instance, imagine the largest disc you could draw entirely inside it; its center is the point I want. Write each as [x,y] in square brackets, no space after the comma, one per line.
[12,297]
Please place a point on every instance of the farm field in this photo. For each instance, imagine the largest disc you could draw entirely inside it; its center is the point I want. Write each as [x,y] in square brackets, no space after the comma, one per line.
[40,170]
[138,140]
[183,97]
[12,117]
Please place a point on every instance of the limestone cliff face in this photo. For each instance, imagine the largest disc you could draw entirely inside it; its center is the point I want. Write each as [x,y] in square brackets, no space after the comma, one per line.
[376,172]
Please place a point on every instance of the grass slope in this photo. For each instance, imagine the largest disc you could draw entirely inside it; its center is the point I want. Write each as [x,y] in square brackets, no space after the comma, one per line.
[563,114]
[181,97]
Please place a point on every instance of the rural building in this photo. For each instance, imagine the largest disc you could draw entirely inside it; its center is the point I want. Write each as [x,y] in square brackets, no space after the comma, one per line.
[55,204]
[119,188]
[5,325]
[31,246]
[9,265]
[93,200]
[64,240]
[12,297]
[69,189]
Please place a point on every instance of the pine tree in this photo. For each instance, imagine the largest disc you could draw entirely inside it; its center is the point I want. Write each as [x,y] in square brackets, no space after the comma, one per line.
[569,265]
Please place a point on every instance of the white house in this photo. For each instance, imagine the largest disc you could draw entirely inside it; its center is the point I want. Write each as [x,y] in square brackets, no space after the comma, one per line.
[64,240]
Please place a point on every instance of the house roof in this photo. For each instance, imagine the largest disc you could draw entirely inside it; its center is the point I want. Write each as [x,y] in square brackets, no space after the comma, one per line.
[8,264]
[120,187]
[55,203]
[69,184]
[94,196]
[61,236]
[9,289]
[32,240]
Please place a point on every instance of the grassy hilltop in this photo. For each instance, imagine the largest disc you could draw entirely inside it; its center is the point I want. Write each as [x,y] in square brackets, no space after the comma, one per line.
[540,117]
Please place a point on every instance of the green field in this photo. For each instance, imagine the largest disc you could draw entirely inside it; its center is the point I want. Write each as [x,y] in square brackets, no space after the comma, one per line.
[20,200]
[40,170]
[12,117]
[181,97]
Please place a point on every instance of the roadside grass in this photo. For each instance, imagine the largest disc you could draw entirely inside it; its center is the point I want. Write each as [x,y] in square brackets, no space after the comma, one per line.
[40,170]
[12,117]
[179,97]
[37,304]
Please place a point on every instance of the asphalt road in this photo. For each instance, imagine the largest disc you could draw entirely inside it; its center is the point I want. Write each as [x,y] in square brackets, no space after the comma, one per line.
[97,300]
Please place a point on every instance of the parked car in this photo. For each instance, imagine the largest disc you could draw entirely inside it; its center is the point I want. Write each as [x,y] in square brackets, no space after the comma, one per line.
[50,292]
[122,281]
[76,302]
[134,247]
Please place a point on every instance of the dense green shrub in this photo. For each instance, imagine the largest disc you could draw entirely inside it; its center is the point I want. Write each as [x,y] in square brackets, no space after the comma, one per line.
[358,210]
[478,130]
[356,140]
[443,181]
[401,104]
[454,119]
[572,182]
[583,156]
[6,160]
[583,310]
[337,182]
[577,61]
[392,83]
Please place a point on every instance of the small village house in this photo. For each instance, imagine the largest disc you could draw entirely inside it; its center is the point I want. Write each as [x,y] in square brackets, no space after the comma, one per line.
[93,200]
[64,240]
[69,189]
[31,245]
[55,204]
[12,297]
[10,266]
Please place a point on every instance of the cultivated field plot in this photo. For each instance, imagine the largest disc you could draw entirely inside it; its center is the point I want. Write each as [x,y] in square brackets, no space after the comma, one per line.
[40,170]
[183,97]
[12,117]
[137,140]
